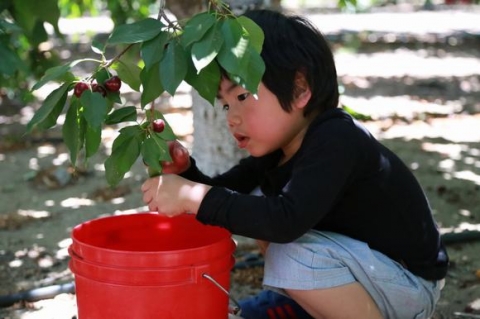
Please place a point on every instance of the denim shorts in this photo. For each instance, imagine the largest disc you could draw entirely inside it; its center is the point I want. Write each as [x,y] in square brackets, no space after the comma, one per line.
[324,260]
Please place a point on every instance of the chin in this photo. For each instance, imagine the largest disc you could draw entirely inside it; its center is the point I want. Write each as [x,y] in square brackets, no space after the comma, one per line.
[257,153]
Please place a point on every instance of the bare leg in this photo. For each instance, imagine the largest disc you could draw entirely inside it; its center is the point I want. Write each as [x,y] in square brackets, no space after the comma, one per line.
[350,301]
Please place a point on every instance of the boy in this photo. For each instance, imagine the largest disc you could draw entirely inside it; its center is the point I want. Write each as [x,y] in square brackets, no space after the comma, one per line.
[346,229]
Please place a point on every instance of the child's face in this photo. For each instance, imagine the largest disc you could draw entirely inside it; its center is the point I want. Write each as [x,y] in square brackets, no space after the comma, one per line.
[260,125]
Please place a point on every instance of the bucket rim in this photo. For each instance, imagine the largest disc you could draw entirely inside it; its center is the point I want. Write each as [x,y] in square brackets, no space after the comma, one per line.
[223,244]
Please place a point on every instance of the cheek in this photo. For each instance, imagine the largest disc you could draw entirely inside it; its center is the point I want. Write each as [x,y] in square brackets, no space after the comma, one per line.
[264,128]
[266,120]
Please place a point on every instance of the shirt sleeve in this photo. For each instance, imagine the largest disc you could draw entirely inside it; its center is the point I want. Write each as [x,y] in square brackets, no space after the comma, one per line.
[242,178]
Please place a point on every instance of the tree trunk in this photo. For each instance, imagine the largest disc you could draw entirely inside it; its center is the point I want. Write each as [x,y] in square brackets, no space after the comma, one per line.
[184,8]
[213,147]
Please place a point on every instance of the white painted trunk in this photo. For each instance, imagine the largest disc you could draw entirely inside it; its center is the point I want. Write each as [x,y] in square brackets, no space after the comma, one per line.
[214,149]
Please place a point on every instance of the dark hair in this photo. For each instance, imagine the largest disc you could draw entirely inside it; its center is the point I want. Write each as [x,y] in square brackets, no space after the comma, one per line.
[292,44]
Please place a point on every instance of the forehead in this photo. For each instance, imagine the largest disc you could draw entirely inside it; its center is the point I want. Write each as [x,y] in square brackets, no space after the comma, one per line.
[226,86]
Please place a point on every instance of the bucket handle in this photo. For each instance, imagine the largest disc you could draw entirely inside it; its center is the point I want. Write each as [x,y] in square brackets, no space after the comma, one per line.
[235,310]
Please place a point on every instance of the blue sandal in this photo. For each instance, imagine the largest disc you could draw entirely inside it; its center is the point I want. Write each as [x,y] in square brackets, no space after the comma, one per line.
[271,305]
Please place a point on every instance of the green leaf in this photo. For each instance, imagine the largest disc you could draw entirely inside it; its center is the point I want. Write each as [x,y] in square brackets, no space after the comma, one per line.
[205,51]
[49,105]
[113,97]
[9,27]
[82,126]
[95,108]
[240,54]
[24,10]
[102,75]
[51,119]
[173,67]
[196,27]
[152,50]
[162,146]
[39,34]
[136,32]
[10,62]
[234,47]
[124,114]
[252,71]
[356,115]
[129,72]
[71,130]
[255,33]
[126,133]
[48,11]
[206,82]
[56,73]
[122,159]
[98,47]
[153,172]
[93,139]
[152,86]
[152,152]
[30,14]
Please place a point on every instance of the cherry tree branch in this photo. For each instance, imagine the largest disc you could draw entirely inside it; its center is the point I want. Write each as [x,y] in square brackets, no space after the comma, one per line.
[118,56]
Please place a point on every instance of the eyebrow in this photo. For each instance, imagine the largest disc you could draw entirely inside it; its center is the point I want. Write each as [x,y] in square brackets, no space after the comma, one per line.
[229,89]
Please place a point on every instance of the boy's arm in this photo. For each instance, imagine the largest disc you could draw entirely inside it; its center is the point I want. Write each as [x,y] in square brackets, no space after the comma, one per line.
[242,178]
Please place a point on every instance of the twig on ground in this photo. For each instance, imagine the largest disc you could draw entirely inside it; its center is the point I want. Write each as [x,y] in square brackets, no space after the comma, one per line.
[456,237]
[466,315]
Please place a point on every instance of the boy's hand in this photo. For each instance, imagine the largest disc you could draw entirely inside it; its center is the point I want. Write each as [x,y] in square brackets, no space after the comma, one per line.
[173,195]
[180,159]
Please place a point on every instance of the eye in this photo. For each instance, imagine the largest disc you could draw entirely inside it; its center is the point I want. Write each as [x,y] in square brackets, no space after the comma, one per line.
[226,107]
[243,96]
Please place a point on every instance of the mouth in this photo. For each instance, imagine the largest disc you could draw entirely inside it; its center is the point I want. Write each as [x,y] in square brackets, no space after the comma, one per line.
[242,140]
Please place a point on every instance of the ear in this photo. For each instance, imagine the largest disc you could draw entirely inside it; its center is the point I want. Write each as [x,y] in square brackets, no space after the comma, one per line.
[301,91]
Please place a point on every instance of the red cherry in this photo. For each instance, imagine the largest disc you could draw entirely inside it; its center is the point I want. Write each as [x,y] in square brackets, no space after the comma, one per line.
[113,84]
[158,125]
[98,88]
[79,88]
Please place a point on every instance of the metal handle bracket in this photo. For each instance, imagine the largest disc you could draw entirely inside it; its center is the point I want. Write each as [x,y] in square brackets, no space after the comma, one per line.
[235,310]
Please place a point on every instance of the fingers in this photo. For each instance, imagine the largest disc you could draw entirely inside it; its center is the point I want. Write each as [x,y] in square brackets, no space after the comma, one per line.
[161,194]
[146,185]
[152,208]
[148,195]
[180,158]
[147,198]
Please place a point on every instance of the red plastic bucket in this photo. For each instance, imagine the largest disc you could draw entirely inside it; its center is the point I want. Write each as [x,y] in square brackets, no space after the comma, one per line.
[145,266]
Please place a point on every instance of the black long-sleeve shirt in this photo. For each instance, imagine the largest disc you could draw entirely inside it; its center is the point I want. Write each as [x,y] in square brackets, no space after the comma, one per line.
[341,180]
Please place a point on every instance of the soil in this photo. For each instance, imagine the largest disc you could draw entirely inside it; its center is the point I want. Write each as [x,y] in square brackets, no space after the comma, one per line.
[427,111]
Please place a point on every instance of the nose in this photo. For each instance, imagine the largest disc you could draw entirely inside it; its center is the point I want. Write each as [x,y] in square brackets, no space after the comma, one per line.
[233,118]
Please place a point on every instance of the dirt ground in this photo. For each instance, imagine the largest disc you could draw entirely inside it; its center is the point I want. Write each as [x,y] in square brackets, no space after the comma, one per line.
[428,111]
